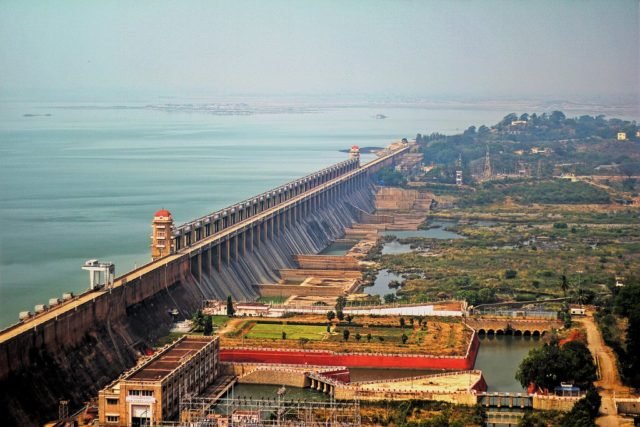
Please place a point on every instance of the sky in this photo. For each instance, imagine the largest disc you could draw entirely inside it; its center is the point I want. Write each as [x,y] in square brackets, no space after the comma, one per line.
[553,49]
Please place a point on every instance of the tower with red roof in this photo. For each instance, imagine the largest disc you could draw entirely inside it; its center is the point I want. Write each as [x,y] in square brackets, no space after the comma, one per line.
[354,153]
[161,233]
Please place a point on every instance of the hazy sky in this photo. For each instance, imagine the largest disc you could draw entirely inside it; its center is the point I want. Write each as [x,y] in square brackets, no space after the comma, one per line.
[478,48]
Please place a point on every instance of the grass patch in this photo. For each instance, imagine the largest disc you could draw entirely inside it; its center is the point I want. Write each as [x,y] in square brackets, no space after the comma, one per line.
[273,300]
[294,332]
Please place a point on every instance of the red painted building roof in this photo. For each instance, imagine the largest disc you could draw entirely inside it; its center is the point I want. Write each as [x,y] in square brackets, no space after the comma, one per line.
[163,212]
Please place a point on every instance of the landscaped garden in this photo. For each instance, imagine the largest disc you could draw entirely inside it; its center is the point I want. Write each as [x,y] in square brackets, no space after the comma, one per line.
[385,334]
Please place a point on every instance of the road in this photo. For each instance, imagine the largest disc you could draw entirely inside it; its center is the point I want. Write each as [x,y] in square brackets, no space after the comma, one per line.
[609,382]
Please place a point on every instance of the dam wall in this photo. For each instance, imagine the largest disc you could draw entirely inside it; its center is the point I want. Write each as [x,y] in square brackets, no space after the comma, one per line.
[71,351]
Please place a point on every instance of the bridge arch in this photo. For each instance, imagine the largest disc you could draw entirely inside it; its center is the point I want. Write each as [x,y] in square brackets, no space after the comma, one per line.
[517,333]
[491,332]
[499,332]
[482,332]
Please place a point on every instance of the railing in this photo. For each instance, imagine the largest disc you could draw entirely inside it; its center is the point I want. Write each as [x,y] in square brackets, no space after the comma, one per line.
[267,200]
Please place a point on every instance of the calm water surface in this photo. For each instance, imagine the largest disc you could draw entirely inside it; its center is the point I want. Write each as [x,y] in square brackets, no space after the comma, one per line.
[84,182]
[381,283]
[499,357]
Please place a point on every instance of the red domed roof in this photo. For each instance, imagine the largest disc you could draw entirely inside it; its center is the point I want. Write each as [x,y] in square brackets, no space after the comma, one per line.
[163,212]
[355,147]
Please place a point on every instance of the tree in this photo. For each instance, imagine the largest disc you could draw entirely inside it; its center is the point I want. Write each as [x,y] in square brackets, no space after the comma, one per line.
[390,298]
[483,130]
[284,335]
[584,412]
[402,322]
[565,285]
[330,316]
[230,310]
[557,117]
[345,334]
[369,337]
[358,336]
[329,328]
[349,318]
[510,274]
[303,341]
[340,315]
[404,338]
[208,326]
[198,320]
[506,121]
[549,365]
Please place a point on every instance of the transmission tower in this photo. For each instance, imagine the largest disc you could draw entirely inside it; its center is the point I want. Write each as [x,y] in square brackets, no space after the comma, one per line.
[488,172]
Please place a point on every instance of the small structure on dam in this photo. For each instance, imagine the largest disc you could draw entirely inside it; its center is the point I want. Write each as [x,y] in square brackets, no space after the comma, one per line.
[161,234]
[151,392]
[100,273]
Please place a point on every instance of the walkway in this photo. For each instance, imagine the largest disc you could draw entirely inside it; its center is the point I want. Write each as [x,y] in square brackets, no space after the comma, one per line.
[609,381]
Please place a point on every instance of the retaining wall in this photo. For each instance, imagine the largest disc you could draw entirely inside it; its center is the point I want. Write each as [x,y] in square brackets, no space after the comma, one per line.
[555,403]
[352,360]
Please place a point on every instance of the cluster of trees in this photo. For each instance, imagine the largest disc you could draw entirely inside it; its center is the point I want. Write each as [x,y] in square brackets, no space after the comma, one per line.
[202,323]
[551,364]
[555,131]
[557,192]
[475,297]
[390,177]
[543,192]
[583,414]
[626,345]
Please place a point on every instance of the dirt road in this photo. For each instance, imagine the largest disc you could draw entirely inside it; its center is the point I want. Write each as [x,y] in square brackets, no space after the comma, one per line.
[609,381]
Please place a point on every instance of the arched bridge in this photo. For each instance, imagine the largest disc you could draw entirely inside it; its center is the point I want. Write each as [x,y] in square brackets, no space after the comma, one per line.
[509,326]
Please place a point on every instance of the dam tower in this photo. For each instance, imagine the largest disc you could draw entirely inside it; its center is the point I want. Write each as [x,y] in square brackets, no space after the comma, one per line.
[354,153]
[161,233]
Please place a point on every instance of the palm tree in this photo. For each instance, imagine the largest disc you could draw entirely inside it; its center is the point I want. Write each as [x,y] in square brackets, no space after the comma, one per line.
[565,285]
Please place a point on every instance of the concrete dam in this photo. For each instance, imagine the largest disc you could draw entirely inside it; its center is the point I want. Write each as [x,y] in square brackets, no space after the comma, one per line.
[72,350]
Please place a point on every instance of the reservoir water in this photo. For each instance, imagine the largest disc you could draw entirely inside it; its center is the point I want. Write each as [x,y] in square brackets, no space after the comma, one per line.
[82,180]
[337,248]
[438,232]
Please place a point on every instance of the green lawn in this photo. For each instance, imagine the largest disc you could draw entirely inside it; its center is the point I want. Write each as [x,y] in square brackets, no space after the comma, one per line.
[219,320]
[294,332]
[389,334]
[273,300]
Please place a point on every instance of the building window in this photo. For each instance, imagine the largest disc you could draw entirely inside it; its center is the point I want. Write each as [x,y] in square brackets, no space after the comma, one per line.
[113,419]
[112,401]
[134,392]
[147,393]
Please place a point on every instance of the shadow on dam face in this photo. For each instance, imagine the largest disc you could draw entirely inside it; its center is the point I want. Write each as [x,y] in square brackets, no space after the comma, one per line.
[76,356]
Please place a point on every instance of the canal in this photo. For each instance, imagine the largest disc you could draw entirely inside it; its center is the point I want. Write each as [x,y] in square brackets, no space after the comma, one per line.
[499,357]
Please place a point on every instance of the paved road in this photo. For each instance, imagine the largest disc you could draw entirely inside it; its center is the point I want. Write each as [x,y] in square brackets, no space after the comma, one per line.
[609,383]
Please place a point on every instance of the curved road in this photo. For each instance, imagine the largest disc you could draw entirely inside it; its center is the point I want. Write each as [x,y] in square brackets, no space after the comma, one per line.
[609,383]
